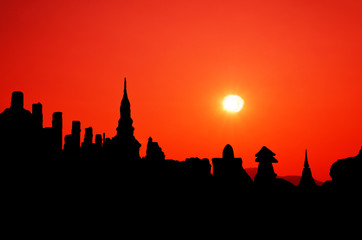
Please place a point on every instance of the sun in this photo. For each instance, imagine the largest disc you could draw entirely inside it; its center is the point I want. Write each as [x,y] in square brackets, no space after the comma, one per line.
[233,103]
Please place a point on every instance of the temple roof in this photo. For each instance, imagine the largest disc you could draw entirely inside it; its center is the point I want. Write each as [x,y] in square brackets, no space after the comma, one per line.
[264,151]
[265,155]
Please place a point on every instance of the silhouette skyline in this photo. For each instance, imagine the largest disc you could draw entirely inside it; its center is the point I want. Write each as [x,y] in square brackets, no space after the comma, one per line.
[84,151]
[32,150]
[295,66]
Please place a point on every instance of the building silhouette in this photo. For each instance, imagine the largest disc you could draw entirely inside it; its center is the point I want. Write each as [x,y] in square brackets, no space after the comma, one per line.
[72,141]
[37,112]
[154,151]
[197,168]
[87,144]
[230,167]
[57,125]
[307,181]
[22,132]
[346,173]
[265,173]
[124,143]
[36,153]
[17,126]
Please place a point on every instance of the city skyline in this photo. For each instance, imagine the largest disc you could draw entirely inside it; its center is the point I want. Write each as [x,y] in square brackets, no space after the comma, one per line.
[24,136]
[85,135]
[296,66]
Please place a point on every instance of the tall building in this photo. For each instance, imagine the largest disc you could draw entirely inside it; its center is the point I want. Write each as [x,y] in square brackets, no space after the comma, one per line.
[17,101]
[87,144]
[17,127]
[88,137]
[72,141]
[37,112]
[124,143]
[76,134]
[57,125]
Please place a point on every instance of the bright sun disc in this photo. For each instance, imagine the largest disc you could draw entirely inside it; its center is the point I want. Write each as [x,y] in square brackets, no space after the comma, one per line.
[233,103]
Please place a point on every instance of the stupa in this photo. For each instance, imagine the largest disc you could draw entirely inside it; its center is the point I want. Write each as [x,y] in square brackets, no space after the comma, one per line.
[307,180]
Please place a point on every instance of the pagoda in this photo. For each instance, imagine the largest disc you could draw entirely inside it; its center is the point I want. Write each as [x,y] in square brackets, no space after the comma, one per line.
[307,180]
[124,142]
[265,173]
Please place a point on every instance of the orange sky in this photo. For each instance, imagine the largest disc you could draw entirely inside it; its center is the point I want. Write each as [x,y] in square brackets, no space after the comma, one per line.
[295,63]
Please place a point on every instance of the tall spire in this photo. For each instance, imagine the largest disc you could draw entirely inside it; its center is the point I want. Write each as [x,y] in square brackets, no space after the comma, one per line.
[125,141]
[306,164]
[125,104]
[307,180]
[125,87]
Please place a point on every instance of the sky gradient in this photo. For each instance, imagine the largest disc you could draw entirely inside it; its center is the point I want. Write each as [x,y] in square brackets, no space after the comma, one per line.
[296,64]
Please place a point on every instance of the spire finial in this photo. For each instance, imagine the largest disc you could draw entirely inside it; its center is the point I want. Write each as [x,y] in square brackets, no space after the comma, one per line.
[306,164]
[125,86]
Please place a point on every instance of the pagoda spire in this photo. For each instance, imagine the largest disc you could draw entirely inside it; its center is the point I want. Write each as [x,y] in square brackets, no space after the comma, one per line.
[125,88]
[125,104]
[306,164]
[307,181]
[125,140]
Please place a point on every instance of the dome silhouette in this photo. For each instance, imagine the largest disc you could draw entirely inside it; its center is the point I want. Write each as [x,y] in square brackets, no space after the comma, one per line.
[228,152]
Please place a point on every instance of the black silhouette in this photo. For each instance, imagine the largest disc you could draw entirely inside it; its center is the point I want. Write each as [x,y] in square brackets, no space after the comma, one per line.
[229,167]
[124,143]
[72,142]
[265,174]
[346,174]
[34,156]
[307,181]
[266,179]
[18,126]
[154,152]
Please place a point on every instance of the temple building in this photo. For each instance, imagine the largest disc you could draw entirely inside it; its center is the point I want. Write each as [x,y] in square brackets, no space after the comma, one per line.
[307,180]
[265,173]
[229,167]
[124,143]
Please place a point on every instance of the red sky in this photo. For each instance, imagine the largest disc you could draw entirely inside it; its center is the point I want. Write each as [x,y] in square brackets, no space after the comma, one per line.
[297,65]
